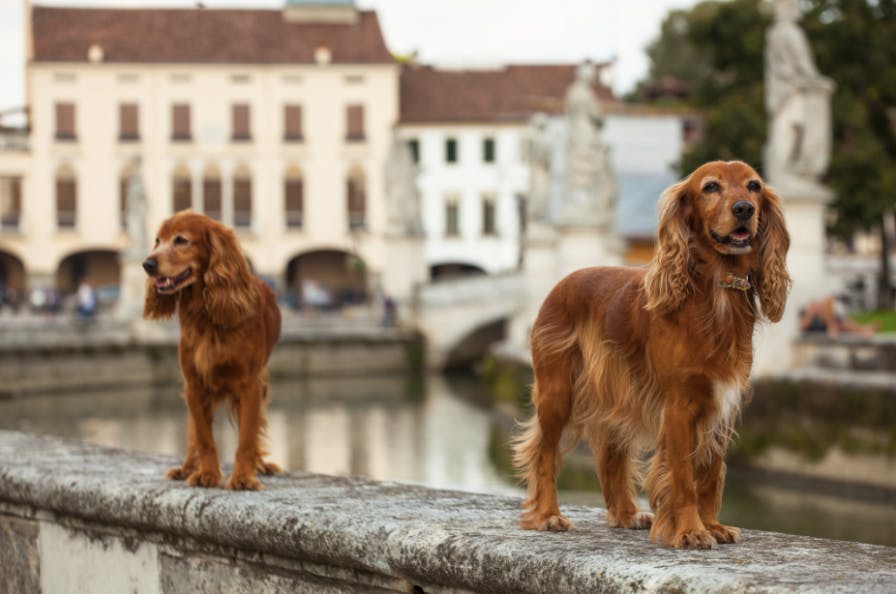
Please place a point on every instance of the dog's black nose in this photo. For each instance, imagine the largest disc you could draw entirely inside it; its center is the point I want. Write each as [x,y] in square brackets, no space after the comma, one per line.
[743,210]
[151,266]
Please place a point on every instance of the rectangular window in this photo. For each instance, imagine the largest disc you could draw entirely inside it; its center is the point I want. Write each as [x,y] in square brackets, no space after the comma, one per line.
[128,126]
[354,123]
[181,194]
[488,216]
[66,203]
[65,121]
[451,150]
[10,202]
[211,197]
[294,194]
[242,202]
[452,218]
[240,120]
[414,147]
[292,123]
[180,122]
[488,150]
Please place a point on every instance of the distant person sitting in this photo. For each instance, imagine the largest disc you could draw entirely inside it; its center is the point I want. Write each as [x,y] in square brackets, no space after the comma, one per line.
[828,315]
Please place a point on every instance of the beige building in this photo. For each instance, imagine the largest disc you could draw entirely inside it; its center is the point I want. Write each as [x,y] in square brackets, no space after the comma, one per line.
[276,122]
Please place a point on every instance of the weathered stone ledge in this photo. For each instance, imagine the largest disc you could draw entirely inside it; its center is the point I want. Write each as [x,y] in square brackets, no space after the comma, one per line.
[326,534]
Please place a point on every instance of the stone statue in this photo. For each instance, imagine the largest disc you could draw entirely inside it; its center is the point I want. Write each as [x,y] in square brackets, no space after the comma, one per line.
[402,196]
[798,103]
[590,195]
[541,148]
[136,213]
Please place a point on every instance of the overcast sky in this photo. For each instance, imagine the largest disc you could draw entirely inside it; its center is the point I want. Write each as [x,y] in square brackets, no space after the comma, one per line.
[447,32]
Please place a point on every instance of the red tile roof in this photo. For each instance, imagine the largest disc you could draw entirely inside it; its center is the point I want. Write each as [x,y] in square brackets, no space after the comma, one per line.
[512,94]
[200,35]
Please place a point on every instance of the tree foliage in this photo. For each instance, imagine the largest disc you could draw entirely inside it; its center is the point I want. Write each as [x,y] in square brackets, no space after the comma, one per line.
[717,50]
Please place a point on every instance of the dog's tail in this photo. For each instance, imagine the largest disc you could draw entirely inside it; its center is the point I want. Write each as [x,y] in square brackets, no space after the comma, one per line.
[526,445]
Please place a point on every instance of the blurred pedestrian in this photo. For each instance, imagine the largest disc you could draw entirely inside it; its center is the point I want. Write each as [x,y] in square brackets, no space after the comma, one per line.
[86,300]
[388,312]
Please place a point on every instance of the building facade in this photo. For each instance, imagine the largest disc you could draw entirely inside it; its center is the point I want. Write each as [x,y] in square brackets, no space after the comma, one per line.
[274,122]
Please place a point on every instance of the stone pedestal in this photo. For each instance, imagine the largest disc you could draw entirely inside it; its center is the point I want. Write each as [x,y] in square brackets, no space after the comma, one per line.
[133,289]
[403,271]
[804,214]
[540,274]
[583,247]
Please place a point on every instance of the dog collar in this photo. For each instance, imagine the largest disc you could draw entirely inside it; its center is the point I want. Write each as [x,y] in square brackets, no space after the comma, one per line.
[730,281]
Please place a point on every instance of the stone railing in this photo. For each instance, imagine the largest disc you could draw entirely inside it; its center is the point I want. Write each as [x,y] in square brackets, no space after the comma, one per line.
[80,518]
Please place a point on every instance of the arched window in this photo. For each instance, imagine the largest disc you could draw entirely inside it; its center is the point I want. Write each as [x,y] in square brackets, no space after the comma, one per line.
[356,199]
[242,197]
[211,192]
[181,189]
[66,197]
[294,198]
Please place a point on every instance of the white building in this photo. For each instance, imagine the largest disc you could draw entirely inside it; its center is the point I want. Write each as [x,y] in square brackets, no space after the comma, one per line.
[470,131]
[276,122]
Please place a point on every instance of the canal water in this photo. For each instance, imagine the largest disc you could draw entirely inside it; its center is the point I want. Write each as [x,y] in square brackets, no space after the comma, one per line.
[441,435]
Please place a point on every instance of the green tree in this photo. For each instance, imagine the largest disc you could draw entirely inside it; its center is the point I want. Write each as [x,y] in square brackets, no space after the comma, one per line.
[722,47]
[854,44]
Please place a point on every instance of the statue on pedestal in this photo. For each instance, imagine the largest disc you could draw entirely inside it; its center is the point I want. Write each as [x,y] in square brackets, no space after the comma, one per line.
[403,217]
[133,279]
[798,101]
[136,214]
[590,197]
[541,148]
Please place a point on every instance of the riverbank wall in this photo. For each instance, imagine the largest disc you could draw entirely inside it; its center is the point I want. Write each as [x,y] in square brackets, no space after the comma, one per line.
[78,517]
[829,424]
[65,356]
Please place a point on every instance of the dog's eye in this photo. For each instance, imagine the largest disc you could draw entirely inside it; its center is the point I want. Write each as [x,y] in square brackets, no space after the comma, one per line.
[157,242]
[180,240]
[711,187]
[753,185]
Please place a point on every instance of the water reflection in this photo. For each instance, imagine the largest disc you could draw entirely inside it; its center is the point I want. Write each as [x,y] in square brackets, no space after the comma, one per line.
[372,427]
[381,428]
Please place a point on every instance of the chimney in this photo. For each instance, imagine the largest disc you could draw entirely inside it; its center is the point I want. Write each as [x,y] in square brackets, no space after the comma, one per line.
[330,12]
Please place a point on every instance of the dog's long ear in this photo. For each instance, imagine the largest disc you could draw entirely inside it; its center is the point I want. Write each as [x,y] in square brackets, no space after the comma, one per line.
[157,306]
[228,291]
[668,279]
[772,280]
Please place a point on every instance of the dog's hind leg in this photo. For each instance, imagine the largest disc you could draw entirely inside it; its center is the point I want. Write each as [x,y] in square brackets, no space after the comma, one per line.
[263,467]
[537,450]
[616,472]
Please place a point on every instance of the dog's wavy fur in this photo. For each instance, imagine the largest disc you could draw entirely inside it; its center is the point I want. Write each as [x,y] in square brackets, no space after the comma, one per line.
[659,360]
[229,324]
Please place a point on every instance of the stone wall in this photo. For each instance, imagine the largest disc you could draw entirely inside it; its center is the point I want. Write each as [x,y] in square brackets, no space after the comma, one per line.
[80,518]
[94,360]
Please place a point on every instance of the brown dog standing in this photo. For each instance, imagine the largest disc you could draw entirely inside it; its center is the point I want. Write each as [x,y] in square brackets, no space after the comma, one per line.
[229,323]
[659,359]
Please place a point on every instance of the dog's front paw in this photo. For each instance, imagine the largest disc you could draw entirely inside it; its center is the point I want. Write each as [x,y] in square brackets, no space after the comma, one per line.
[179,473]
[267,468]
[724,534]
[635,521]
[243,483]
[694,539]
[205,478]
[550,522]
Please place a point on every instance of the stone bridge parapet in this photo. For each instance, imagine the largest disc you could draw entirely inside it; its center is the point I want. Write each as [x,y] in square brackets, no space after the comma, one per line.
[449,311]
[76,517]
